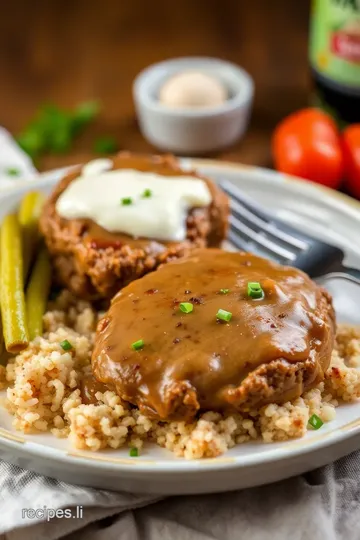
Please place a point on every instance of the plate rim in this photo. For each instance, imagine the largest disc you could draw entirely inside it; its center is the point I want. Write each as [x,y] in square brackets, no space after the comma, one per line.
[294,448]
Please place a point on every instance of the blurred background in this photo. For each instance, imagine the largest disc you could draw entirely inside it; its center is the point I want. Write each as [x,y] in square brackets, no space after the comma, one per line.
[69,51]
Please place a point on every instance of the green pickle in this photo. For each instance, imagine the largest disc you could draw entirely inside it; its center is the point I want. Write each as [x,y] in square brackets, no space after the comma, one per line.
[13,310]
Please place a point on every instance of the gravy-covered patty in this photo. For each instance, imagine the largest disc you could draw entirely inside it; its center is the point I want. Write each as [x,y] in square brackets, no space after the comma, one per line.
[270,351]
[94,262]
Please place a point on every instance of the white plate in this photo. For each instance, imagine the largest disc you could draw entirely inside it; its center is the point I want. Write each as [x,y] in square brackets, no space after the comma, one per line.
[322,212]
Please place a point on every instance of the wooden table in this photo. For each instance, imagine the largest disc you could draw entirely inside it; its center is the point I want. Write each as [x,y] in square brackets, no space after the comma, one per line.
[67,51]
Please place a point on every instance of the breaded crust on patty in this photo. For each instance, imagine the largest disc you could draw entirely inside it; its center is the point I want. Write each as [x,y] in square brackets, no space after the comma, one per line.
[96,264]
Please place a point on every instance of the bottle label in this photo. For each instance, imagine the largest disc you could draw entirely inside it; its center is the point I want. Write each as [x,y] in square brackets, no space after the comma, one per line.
[335,40]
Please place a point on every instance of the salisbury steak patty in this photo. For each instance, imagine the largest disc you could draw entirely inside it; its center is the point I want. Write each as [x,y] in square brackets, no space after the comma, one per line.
[271,350]
[95,263]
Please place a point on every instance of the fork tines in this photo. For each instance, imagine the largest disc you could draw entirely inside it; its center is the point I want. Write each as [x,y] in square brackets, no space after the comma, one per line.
[252,229]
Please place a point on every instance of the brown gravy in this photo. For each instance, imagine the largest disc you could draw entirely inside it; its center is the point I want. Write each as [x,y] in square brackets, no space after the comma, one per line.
[192,361]
[89,387]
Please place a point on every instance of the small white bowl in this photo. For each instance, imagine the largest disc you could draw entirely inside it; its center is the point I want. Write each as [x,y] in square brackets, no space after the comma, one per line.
[193,130]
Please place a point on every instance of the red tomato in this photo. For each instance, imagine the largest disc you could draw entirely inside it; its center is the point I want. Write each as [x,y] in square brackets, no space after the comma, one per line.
[351,147]
[307,144]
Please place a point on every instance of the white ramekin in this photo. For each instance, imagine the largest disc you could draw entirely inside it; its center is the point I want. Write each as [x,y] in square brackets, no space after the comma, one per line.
[193,131]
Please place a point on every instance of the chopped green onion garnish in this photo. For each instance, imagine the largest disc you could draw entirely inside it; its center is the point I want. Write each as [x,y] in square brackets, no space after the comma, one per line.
[105,145]
[186,307]
[134,452]
[137,345]
[223,315]
[66,345]
[255,290]
[224,291]
[12,171]
[126,201]
[315,422]
[147,193]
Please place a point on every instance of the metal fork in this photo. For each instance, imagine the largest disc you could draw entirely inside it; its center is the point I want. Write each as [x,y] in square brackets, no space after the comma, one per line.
[254,229]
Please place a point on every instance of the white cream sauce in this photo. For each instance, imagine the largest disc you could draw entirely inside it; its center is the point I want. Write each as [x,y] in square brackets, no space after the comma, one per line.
[99,194]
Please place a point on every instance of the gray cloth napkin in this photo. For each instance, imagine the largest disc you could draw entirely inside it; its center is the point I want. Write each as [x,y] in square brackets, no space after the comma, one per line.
[322,505]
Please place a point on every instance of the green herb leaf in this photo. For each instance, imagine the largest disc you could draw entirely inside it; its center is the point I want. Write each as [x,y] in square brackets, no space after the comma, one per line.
[126,201]
[60,138]
[186,307]
[105,145]
[137,345]
[66,345]
[315,422]
[53,129]
[31,142]
[44,131]
[255,290]
[134,452]
[223,315]
[85,113]
[146,193]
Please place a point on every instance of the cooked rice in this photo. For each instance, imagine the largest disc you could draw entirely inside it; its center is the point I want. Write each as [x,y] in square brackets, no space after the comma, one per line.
[43,395]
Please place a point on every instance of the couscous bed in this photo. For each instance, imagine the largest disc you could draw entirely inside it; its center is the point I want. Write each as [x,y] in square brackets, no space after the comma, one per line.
[43,385]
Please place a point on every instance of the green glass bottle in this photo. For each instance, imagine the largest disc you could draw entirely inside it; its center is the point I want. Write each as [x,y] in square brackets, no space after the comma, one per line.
[335,57]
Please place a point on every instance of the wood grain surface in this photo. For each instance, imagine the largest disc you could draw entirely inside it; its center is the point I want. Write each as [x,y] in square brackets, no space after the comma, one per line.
[67,51]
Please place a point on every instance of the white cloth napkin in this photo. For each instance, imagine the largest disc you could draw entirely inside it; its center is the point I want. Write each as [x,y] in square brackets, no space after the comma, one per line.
[323,505]
[13,157]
